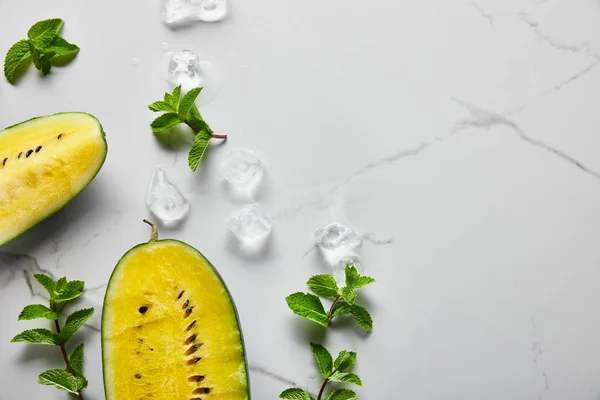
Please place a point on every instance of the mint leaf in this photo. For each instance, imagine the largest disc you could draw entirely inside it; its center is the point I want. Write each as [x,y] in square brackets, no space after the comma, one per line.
[345,360]
[323,285]
[76,359]
[16,57]
[362,317]
[198,149]
[47,283]
[61,379]
[161,106]
[41,336]
[342,394]
[175,97]
[308,306]
[71,290]
[35,311]
[63,50]
[295,394]
[164,122]
[45,31]
[341,308]
[60,286]
[354,280]
[189,99]
[348,294]
[73,323]
[345,377]
[323,358]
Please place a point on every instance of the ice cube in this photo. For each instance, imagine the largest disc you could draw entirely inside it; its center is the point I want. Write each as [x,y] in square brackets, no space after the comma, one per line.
[336,235]
[181,12]
[164,200]
[243,171]
[186,69]
[251,228]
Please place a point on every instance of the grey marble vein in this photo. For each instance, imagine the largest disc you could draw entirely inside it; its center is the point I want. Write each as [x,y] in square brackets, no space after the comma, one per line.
[272,375]
[482,118]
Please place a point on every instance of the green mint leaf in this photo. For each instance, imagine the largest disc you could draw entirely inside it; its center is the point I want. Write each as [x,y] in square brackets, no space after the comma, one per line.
[354,280]
[323,358]
[71,290]
[47,283]
[198,149]
[61,379]
[76,359]
[346,377]
[60,286]
[35,311]
[45,31]
[362,317]
[295,394]
[73,323]
[323,285]
[342,394]
[169,100]
[348,294]
[165,122]
[41,336]
[188,100]
[63,50]
[15,59]
[308,306]
[161,106]
[341,308]
[345,360]
[175,97]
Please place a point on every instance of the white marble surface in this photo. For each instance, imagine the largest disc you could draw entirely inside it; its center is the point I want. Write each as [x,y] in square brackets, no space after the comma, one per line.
[461,138]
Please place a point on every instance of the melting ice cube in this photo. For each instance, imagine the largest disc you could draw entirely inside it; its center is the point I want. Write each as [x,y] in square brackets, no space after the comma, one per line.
[243,171]
[164,200]
[251,228]
[337,242]
[336,235]
[181,12]
[186,69]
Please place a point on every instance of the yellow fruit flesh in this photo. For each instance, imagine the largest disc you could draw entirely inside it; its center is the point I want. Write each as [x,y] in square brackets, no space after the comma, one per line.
[50,170]
[151,354]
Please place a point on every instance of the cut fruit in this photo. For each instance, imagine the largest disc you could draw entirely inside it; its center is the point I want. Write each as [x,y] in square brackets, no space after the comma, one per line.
[170,330]
[44,163]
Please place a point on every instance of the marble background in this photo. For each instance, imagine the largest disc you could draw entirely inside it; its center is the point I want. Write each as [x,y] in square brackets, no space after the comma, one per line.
[461,139]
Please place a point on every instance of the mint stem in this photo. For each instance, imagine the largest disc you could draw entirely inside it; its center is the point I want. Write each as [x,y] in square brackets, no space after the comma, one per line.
[329,315]
[325,384]
[213,135]
[64,352]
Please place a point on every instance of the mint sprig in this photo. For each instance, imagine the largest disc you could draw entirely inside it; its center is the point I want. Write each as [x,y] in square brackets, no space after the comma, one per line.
[71,378]
[332,371]
[309,306]
[44,46]
[180,110]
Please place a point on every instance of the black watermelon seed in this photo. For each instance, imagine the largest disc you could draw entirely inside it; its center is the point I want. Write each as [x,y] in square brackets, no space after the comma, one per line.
[28,153]
[151,348]
[59,136]
[187,303]
[189,310]
[181,294]
[190,326]
[143,309]
[4,162]
[140,340]
[201,390]
[138,376]
[37,149]
[20,154]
